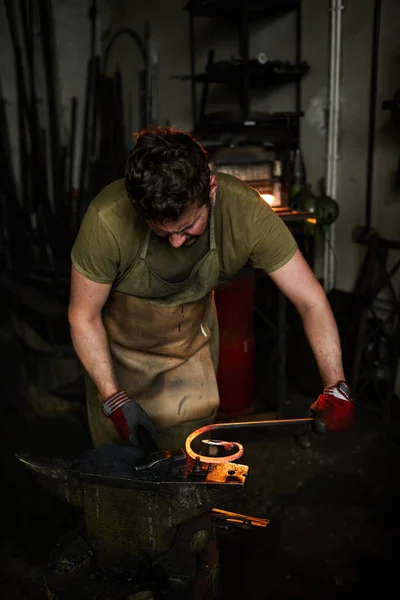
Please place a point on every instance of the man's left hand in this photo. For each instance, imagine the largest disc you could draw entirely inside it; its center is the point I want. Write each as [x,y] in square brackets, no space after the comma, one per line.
[334,409]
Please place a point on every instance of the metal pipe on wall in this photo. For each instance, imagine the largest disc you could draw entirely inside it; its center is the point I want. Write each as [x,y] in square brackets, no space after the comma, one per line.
[373,93]
[331,96]
[335,161]
[336,8]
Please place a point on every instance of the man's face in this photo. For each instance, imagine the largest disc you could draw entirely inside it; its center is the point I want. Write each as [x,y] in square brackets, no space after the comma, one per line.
[190,226]
[187,229]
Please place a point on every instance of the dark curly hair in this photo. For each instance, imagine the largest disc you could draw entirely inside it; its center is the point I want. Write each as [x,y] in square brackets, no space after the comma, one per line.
[166,171]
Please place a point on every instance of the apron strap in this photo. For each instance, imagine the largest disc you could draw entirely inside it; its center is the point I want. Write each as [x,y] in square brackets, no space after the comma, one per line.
[146,243]
[213,245]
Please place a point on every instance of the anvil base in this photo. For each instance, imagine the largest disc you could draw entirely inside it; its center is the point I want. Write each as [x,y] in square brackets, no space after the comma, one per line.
[72,571]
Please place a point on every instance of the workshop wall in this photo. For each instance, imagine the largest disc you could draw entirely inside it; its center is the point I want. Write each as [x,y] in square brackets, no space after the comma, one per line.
[353,143]
[386,205]
[170,32]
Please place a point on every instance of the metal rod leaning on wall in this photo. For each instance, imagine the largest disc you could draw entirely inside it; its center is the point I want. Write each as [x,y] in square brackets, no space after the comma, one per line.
[119,131]
[153,89]
[243,26]
[22,107]
[148,74]
[94,108]
[151,75]
[192,69]
[71,148]
[299,37]
[89,119]
[8,190]
[94,57]
[372,109]
[206,86]
[45,216]
[29,59]
[7,184]
[81,203]
[38,194]
[91,187]
[46,25]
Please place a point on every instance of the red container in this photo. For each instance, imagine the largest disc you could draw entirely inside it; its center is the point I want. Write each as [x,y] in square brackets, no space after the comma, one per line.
[235,304]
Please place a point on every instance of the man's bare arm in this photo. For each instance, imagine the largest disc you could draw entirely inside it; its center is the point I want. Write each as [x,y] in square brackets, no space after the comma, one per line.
[87,331]
[299,284]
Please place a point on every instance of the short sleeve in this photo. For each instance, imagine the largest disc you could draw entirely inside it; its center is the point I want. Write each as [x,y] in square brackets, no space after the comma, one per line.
[271,245]
[95,252]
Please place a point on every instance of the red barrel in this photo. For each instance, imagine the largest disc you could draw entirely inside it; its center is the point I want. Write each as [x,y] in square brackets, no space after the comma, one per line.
[235,304]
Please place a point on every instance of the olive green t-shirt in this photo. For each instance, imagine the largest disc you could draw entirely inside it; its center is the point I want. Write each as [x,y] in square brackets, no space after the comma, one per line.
[246,229]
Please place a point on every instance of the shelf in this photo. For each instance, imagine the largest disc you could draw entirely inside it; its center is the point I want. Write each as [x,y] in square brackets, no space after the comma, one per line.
[233,118]
[228,128]
[244,74]
[232,9]
[262,76]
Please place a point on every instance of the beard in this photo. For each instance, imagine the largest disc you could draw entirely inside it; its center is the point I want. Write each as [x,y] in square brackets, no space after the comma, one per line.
[192,239]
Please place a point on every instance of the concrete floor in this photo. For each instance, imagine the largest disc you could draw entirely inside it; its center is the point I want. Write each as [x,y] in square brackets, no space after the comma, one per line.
[333,507]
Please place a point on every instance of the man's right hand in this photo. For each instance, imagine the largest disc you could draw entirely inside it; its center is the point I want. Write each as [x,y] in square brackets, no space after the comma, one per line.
[127,415]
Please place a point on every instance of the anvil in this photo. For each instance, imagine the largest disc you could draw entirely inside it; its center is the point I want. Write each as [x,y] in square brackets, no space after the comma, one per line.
[146,523]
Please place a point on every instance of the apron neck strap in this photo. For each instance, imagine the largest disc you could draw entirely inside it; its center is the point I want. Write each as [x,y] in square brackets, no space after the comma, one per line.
[146,243]
[213,245]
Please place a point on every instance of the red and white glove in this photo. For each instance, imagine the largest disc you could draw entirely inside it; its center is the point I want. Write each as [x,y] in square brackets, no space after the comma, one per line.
[334,409]
[127,415]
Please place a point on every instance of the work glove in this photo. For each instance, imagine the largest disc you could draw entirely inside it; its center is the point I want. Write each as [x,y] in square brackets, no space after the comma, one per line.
[127,415]
[334,409]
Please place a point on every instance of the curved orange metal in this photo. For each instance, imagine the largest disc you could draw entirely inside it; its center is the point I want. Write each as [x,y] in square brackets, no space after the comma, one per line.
[212,459]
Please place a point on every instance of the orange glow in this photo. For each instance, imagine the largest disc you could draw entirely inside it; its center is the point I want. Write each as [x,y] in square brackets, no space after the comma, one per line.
[268,198]
[312,220]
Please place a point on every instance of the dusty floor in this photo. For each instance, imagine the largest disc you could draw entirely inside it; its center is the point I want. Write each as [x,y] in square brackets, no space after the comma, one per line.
[334,508]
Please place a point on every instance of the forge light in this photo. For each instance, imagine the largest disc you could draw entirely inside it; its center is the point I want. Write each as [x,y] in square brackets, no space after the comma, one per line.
[270,198]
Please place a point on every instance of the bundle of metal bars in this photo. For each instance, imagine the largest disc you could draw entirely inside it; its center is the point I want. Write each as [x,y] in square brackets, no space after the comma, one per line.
[41,209]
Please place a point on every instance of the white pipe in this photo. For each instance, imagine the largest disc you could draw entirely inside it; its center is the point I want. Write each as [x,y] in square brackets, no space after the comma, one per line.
[335,148]
[333,134]
[331,95]
[328,176]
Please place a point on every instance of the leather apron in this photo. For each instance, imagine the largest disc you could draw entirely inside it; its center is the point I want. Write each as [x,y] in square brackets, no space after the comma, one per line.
[159,338]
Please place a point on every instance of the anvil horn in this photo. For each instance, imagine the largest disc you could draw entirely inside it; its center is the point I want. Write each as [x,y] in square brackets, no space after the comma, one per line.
[55,476]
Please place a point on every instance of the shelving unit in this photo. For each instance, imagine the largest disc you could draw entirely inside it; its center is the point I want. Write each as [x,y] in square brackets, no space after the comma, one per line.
[279,132]
[248,73]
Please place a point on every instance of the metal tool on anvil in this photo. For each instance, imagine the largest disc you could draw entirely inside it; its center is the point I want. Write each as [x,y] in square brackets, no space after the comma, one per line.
[148,521]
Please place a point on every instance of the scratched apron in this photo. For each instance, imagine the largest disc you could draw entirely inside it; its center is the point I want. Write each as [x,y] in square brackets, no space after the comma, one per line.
[159,338]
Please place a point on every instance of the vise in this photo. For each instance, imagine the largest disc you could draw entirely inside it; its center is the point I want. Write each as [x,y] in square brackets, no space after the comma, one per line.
[147,523]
